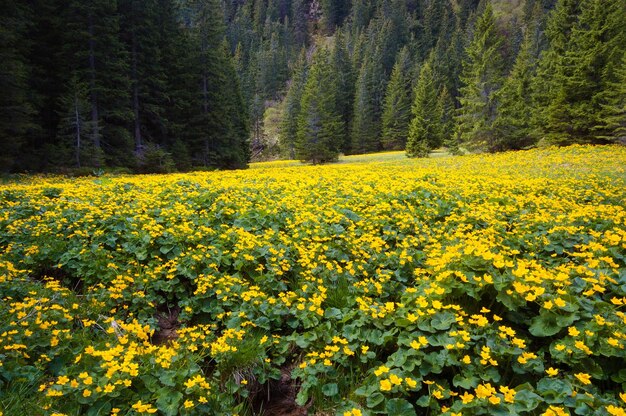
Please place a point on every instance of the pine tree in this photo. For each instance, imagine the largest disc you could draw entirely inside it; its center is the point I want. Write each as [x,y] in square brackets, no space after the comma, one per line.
[291,110]
[16,108]
[319,125]
[612,118]
[235,151]
[95,55]
[425,130]
[397,106]
[446,112]
[545,84]
[514,120]
[75,128]
[342,68]
[220,127]
[584,71]
[365,127]
[482,77]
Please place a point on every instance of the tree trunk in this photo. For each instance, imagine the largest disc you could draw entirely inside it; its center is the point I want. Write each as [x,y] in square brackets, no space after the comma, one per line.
[77,120]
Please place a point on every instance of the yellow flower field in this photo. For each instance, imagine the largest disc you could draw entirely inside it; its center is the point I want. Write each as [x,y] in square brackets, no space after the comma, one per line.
[484,284]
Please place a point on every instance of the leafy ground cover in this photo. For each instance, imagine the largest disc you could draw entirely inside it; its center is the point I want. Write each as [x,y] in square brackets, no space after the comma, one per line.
[458,285]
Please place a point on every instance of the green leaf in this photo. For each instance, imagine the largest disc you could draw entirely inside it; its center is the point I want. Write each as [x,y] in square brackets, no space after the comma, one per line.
[544,325]
[332,313]
[168,401]
[167,378]
[400,407]
[467,383]
[375,399]
[330,389]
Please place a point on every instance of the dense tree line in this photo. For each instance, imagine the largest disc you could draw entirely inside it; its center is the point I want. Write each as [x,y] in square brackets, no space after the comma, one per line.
[143,84]
[479,76]
[177,84]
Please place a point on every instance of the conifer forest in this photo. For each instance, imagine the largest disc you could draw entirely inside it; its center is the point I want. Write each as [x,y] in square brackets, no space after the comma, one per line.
[176,85]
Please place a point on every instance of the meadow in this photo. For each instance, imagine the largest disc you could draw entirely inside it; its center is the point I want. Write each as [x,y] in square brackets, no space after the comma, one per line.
[479,284]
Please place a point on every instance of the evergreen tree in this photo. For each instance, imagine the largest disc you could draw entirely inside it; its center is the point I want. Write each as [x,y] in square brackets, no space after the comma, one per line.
[75,129]
[584,72]
[482,77]
[96,56]
[397,106]
[425,130]
[365,127]
[514,120]
[612,118]
[291,108]
[342,67]
[16,108]
[319,125]
[446,111]
[545,84]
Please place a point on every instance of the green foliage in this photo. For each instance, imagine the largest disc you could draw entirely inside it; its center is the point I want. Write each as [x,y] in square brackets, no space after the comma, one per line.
[426,128]
[16,105]
[342,68]
[514,119]
[291,110]
[320,126]
[155,160]
[397,105]
[583,70]
[365,127]
[482,77]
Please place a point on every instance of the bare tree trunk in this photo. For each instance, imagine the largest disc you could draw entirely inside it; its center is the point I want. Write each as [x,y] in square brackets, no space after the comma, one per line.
[77,120]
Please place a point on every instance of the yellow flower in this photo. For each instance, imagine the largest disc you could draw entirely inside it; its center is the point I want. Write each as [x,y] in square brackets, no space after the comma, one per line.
[86,393]
[381,370]
[410,382]
[552,372]
[188,404]
[395,380]
[467,398]
[495,400]
[385,385]
[615,411]
[583,378]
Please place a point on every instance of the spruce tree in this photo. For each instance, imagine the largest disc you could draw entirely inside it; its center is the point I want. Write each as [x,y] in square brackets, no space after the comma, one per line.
[95,54]
[584,72]
[75,128]
[220,124]
[482,77]
[425,130]
[514,120]
[612,118]
[446,111]
[397,106]
[319,125]
[365,127]
[342,68]
[291,108]
[546,83]
[16,109]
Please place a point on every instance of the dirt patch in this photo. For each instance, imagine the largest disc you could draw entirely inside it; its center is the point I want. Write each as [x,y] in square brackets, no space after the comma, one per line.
[278,397]
[168,323]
